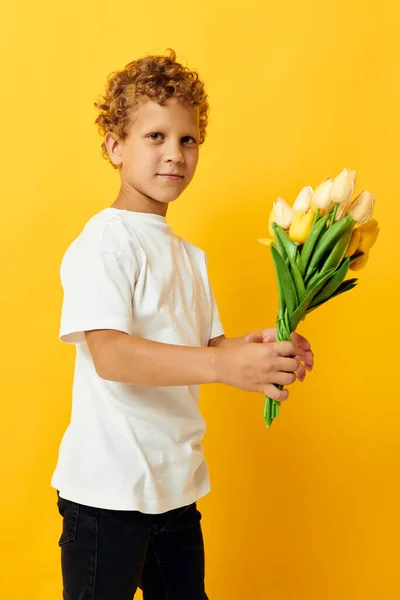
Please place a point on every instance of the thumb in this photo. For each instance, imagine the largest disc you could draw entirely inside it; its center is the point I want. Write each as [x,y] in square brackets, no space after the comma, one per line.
[261,336]
[254,337]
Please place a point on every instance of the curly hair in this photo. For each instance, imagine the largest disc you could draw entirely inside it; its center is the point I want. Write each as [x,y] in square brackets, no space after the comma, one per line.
[156,78]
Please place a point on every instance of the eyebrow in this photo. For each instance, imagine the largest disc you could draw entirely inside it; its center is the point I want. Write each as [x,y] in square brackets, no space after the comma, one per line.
[154,128]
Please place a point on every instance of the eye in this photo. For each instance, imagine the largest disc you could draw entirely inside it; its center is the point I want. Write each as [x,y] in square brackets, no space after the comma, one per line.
[188,137]
[154,134]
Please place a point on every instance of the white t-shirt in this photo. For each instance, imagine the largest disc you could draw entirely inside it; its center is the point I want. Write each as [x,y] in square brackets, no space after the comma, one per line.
[131,447]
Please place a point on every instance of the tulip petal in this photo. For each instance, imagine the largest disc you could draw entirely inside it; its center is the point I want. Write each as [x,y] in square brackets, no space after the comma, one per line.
[322,195]
[343,186]
[361,208]
[303,200]
[265,241]
[360,263]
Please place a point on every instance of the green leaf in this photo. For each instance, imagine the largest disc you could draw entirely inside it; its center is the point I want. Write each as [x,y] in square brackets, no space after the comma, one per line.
[299,264]
[332,285]
[307,297]
[291,249]
[339,250]
[317,230]
[281,296]
[326,243]
[285,280]
[279,243]
[344,287]
[289,246]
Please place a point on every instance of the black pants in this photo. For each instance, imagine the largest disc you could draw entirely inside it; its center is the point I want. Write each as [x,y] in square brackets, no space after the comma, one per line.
[108,554]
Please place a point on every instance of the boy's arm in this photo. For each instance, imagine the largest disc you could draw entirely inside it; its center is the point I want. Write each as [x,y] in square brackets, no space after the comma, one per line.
[222,342]
[125,358]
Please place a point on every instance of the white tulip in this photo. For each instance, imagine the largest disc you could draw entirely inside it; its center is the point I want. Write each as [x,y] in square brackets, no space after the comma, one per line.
[361,208]
[283,213]
[322,195]
[343,186]
[303,200]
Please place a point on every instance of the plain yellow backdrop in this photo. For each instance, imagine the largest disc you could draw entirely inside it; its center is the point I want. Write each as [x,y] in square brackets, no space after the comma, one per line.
[306,510]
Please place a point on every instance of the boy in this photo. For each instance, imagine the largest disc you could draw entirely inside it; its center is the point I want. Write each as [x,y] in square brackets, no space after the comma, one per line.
[139,307]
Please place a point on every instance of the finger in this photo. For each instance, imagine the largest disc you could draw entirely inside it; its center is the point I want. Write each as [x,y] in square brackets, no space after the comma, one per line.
[255,337]
[307,357]
[269,335]
[301,373]
[282,378]
[305,347]
[286,364]
[275,393]
[300,340]
[286,348]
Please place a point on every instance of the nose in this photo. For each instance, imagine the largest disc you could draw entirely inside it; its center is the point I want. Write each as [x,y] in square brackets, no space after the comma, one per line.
[173,153]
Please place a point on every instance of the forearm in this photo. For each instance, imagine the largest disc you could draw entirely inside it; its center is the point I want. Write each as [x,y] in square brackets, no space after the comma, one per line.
[137,361]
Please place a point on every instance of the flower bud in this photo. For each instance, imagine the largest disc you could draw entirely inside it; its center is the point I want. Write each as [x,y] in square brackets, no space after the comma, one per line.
[322,195]
[301,226]
[303,200]
[368,234]
[283,213]
[360,263]
[361,208]
[343,186]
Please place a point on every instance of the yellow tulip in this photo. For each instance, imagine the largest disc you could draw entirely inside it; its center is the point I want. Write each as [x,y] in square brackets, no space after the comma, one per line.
[301,226]
[322,195]
[360,263]
[265,241]
[271,219]
[368,234]
[361,208]
[283,213]
[354,241]
[343,186]
[303,200]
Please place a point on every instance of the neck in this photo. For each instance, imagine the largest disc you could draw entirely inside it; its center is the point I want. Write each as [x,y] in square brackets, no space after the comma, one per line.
[130,198]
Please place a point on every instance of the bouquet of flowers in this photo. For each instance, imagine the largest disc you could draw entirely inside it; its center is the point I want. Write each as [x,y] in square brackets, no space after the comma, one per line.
[314,244]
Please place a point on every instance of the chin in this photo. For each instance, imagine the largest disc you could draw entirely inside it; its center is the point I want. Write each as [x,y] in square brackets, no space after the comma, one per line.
[166,200]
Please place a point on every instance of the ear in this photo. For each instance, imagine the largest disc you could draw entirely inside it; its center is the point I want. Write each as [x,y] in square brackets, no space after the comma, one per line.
[113,148]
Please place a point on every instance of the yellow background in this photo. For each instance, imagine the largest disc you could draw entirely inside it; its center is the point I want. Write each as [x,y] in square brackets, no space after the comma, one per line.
[306,510]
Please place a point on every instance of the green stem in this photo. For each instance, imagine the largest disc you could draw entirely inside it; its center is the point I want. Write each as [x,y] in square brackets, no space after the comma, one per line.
[316,217]
[271,407]
[333,216]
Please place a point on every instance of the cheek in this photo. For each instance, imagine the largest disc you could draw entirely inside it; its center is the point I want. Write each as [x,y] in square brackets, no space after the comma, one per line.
[140,163]
[192,160]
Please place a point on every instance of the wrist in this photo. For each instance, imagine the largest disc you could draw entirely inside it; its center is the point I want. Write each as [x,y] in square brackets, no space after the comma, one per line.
[228,343]
[218,364]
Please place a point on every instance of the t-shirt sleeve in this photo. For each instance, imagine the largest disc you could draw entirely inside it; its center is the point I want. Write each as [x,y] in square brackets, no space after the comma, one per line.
[98,292]
[216,325]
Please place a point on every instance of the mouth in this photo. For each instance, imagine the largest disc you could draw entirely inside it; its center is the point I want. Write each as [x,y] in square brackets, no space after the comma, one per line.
[170,176]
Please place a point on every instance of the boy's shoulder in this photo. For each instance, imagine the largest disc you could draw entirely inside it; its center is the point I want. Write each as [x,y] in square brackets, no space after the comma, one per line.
[193,250]
[104,231]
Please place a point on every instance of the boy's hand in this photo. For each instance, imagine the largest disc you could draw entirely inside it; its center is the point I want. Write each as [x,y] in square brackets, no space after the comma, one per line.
[257,367]
[305,355]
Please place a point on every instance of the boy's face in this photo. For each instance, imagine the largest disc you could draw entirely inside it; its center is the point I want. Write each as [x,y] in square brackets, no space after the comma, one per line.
[162,140]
